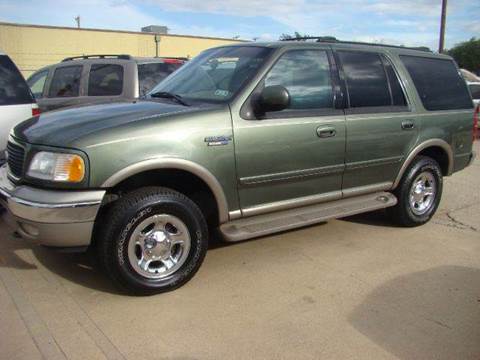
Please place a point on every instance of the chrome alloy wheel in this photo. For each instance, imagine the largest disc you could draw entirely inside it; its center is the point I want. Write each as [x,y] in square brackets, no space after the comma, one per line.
[422,193]
[159,246]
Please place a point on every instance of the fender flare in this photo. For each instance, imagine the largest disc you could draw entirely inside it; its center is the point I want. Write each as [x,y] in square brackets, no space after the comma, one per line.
[422,146]
[175,164]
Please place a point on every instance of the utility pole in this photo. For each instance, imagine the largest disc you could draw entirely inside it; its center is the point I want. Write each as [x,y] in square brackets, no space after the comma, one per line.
[157,39]
[441,43]
[77,19]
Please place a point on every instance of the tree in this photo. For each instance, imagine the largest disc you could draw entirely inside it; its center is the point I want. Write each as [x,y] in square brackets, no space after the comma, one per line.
[467,54]
[294,36]
[297,35]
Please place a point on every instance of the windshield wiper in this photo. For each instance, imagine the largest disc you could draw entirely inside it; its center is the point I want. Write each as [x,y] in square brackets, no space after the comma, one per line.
[168,95]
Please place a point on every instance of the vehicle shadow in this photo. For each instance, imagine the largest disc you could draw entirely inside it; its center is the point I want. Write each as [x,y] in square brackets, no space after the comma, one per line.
[374,218]
[79,268]
[431,314]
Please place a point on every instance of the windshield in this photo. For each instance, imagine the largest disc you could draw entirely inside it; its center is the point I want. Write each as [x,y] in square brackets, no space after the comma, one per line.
[215,75]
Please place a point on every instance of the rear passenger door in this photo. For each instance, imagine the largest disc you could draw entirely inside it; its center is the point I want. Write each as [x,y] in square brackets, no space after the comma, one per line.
[380,125]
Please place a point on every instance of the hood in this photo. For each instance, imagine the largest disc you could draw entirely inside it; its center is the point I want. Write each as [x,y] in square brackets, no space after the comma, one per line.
[64,127]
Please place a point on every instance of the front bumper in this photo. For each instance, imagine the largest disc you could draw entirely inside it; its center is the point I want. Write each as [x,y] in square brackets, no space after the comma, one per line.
[60,218]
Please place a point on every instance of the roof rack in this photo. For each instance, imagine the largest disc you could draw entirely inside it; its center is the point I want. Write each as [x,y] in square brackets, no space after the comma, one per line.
[326,39]
[83,57]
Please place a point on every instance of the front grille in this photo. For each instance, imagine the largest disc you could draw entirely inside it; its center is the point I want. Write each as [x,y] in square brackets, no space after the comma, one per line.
[16,158]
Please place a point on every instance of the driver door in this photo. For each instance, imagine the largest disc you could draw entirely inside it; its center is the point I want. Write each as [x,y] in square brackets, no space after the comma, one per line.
[296,156]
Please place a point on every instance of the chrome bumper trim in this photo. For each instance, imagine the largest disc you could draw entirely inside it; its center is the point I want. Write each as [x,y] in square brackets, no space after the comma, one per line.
[54,218]
[48,206]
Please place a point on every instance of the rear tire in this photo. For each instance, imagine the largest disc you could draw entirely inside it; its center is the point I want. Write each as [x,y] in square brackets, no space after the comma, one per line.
[153,240]
[418,193]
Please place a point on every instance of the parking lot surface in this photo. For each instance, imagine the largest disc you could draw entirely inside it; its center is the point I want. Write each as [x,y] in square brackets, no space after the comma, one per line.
[356,288]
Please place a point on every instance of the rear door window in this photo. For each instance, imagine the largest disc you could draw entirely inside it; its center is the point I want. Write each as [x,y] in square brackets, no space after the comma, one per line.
[66,81]
[438,83]
[105,80]
[13,88]
[36,82]
[149,75]
[366,79]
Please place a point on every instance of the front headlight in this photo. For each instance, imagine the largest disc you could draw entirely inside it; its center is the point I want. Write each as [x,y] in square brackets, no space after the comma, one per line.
[57,167]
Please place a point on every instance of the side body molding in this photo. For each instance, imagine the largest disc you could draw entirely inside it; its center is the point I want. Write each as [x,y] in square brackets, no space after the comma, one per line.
[422,146]
[178,164]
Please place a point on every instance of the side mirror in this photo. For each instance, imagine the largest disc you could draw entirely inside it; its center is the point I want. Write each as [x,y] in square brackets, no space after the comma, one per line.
[273,98]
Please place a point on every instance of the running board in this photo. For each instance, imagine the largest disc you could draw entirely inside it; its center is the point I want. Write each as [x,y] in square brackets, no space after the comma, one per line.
[261,225]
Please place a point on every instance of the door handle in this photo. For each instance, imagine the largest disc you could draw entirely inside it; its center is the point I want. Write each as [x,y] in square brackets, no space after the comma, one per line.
[408,125]
[325,132]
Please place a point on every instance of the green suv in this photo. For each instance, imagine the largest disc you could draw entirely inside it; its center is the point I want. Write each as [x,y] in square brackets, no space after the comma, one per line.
[247,140]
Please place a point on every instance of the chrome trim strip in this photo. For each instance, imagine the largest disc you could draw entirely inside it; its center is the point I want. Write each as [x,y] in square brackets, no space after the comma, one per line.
[291,175]
[429,143]
[374,162]
[180,164]
[291,203]
[366,189]
[46,205]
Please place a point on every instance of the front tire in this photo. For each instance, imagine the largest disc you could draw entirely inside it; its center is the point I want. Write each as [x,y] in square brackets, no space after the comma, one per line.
[153,240]
[418,193]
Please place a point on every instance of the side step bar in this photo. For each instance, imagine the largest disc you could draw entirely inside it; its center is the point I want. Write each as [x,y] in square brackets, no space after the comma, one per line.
[261,225]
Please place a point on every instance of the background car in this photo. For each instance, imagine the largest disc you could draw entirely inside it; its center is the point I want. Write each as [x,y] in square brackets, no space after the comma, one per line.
[16,101]
[98,78]
[475,91]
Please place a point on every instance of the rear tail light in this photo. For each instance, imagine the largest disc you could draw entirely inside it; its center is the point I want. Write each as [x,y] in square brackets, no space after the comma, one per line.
[35,110]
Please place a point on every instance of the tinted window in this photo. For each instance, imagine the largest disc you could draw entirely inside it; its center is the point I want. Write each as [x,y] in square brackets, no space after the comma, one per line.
[306,76]
[366,79]
[475,91]
[398,97]
[13,88]
[150,75]
[105,80]
[438,83]
[37,83]
[66,82]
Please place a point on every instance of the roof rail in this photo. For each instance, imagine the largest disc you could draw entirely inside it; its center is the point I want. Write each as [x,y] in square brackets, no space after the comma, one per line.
[83,57]
[326,39]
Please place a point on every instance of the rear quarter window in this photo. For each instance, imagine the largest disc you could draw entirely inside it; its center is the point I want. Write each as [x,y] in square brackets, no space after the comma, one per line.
[13,88]
[149,75]
[438,83]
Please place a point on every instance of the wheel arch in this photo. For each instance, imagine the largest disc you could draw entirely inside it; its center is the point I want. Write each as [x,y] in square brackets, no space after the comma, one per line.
[187,166]
[437,149]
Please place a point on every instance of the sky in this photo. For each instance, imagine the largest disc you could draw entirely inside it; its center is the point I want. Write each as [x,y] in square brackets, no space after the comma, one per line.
[401,22]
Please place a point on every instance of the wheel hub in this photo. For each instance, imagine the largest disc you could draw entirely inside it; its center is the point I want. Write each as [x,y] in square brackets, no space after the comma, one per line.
[159,246]
[422,193]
